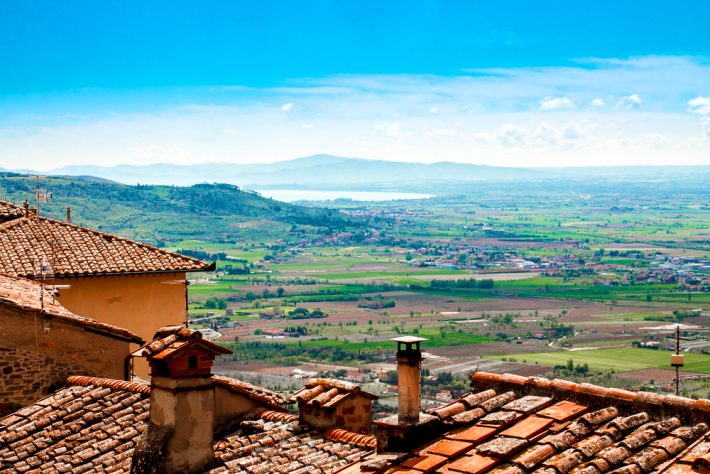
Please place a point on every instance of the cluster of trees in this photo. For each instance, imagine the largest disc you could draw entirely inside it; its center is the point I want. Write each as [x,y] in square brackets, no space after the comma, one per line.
[304,313]
[296,331]
[569,369]
[376,303]
[486,283]
[202,255]
[215,302]
[292,354]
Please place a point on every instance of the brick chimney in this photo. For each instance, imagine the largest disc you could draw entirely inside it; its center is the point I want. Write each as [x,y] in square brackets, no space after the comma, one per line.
[409,428]
[179,438]
[325,403]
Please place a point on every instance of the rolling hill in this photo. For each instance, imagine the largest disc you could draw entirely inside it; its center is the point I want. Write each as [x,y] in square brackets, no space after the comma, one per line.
[163,214]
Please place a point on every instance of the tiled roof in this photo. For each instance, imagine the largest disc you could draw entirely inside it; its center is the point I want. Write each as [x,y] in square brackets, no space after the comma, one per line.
[278,444]
[29,295]
[93,425]
[10,211]
[77,429]
[252,391]
[518,425]
[326,393]
[170,340]
[72,250]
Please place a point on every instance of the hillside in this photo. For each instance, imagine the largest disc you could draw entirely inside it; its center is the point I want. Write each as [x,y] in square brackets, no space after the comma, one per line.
[165,214]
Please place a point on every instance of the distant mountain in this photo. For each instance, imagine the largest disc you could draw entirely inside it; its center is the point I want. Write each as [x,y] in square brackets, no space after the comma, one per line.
[317,170]
[155,213]
[334,172]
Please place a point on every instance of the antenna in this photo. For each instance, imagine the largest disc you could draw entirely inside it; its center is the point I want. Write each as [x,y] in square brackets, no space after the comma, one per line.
[677,359]
[41,195]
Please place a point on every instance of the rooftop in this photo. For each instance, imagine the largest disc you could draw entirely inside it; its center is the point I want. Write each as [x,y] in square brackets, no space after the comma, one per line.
[518,425]
[171,340]
[9,211]
[93,424]
[30,296]
[71,250]
[326,393]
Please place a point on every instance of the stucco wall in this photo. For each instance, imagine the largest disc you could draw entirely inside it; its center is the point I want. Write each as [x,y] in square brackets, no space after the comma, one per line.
[140,303]
[35,359]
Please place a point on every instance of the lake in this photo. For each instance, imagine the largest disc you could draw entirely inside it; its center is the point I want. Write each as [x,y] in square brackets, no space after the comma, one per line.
[292,195]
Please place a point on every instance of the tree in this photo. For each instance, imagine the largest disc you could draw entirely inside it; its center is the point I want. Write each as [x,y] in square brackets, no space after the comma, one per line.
[280,291]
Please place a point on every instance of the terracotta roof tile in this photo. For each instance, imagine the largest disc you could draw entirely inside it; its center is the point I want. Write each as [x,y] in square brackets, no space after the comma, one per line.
[528,427]
[170,340]
[77,251]
[30,296]
[567,428]
[326,393]
[475,464]
[563,411]
[284,446]
[72,429]
[9,211]
[261,394]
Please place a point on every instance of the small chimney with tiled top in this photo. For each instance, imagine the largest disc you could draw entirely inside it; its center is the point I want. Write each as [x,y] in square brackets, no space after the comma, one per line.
[399,431]
[182,403]
[325,403]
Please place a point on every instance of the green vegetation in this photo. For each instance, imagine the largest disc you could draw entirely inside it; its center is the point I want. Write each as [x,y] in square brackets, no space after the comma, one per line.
[617,359]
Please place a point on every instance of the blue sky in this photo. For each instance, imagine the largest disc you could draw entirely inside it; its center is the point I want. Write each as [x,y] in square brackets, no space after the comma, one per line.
[513,83]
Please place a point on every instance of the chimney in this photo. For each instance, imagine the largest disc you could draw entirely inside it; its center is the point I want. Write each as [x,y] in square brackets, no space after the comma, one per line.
[179,438]
[68,215]
[409,378]
[325,403]
[26,206]
[409,428]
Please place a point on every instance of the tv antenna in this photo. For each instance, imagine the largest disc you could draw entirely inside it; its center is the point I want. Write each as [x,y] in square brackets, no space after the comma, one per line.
[677,360]
[42,196]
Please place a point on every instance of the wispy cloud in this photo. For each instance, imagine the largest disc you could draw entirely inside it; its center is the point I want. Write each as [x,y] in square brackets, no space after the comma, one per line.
[600,112]
[556,103]
[632,101]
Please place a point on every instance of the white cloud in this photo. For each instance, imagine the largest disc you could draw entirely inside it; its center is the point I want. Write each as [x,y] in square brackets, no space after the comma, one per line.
[510,135]
[387,129]
[556,103]
[574,131]
[632,101]
[433,110]
[387,117]
[596,103]
[699,106]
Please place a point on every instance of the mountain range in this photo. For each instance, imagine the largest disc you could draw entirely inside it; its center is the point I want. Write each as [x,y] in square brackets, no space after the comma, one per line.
[334,172]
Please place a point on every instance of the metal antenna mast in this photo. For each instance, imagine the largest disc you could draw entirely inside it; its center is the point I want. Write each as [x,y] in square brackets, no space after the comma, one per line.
[677,359]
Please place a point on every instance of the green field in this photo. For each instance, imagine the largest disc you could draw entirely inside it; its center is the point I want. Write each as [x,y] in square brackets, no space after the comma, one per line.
[619,360]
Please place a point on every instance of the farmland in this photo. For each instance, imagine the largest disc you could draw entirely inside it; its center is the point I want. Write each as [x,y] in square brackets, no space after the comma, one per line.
[534,281]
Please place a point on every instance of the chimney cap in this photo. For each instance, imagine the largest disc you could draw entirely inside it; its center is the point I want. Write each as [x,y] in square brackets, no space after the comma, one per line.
[409,339]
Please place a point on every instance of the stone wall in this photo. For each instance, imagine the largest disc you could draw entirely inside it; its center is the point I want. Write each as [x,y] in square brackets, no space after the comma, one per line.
[38,353]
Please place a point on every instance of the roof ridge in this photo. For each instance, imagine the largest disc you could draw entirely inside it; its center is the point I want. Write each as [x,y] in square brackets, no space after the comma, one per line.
[125,385]
[259,393]
[341,435]
[271,415]
[646,400]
